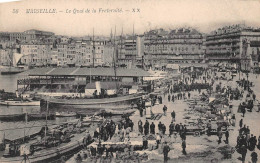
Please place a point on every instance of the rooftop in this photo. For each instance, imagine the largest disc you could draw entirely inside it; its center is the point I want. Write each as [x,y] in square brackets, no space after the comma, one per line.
[122,72]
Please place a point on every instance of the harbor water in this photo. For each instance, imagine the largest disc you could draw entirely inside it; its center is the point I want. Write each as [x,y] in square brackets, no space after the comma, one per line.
[21,128]
[8,82]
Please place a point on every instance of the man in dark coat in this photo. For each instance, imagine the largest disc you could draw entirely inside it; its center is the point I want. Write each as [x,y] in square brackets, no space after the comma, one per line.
[160,99]
[254,157]
[181,128]
[141,111]
[163,129]
[173,115]
[145,142]
[165,109]
[160,126]
[243,153]
[184,147]
[183,136]
[227,136]
[140,126]
[177,127]
[241,123]
[146,128]
[152,128]
[171,128]
[219,136]
[243,109]
[166,150]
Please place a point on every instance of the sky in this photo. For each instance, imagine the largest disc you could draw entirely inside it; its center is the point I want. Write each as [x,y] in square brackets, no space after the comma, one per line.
[204,15]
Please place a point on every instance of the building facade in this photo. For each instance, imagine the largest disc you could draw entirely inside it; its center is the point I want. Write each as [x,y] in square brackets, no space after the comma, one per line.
[36,54]
[177,46]
[6,56]
[85,53]
[233,44]
[130,50]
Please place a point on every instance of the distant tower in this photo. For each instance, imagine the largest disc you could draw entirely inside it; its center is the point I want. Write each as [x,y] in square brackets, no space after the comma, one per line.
[111,35]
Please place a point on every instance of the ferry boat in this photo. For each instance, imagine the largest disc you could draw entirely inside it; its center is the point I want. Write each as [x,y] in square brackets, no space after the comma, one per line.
[120,102]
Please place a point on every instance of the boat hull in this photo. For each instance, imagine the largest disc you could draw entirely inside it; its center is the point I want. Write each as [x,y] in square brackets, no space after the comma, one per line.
[118,102]
[49,155]
[12,117]
[20,103]
[66,115]
[10,72]
[119,112]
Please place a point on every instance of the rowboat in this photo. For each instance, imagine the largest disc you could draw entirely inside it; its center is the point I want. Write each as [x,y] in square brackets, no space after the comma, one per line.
[50,154]
[19,103]
[65,114]
[119,112]
[92,119]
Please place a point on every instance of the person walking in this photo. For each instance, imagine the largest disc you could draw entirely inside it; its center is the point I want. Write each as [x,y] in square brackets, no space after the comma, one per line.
[171,128]
[145,142]
[163,129]
[146,128]
[152,128]
[172,98]
[140,126]
[184,147]
[158,139]
[219,136]
[165,109]
[173,115]
[227,136]
[254,157]
[243,110]
[258,145]
[241,123]
[243,153]
[166,150]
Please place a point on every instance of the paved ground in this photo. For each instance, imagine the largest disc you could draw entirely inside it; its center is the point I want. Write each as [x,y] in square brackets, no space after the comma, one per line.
[197,145]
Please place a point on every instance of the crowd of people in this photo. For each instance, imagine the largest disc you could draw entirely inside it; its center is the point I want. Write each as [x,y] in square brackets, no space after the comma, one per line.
[246,140]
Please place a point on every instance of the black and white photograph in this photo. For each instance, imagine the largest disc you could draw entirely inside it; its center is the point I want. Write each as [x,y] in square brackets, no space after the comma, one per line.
[129,81]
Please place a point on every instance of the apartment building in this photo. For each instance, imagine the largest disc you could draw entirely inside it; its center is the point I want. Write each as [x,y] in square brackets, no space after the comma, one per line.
[233,44]
[36,54]
[184,45]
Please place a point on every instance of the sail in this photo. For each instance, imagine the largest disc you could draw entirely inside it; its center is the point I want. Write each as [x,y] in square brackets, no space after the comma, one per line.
[16,58]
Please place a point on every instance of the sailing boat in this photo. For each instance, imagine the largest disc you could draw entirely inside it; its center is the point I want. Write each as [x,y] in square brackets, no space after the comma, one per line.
[107,95]
[52,147]
[13,67]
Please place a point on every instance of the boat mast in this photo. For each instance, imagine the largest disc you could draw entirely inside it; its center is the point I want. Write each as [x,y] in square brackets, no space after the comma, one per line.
[10,65]
[46,118]
[114,60]
[133,46]
[121,44]
[93,49]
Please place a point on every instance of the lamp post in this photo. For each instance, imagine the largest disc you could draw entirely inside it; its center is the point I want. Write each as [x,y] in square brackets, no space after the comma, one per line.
[247,75]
